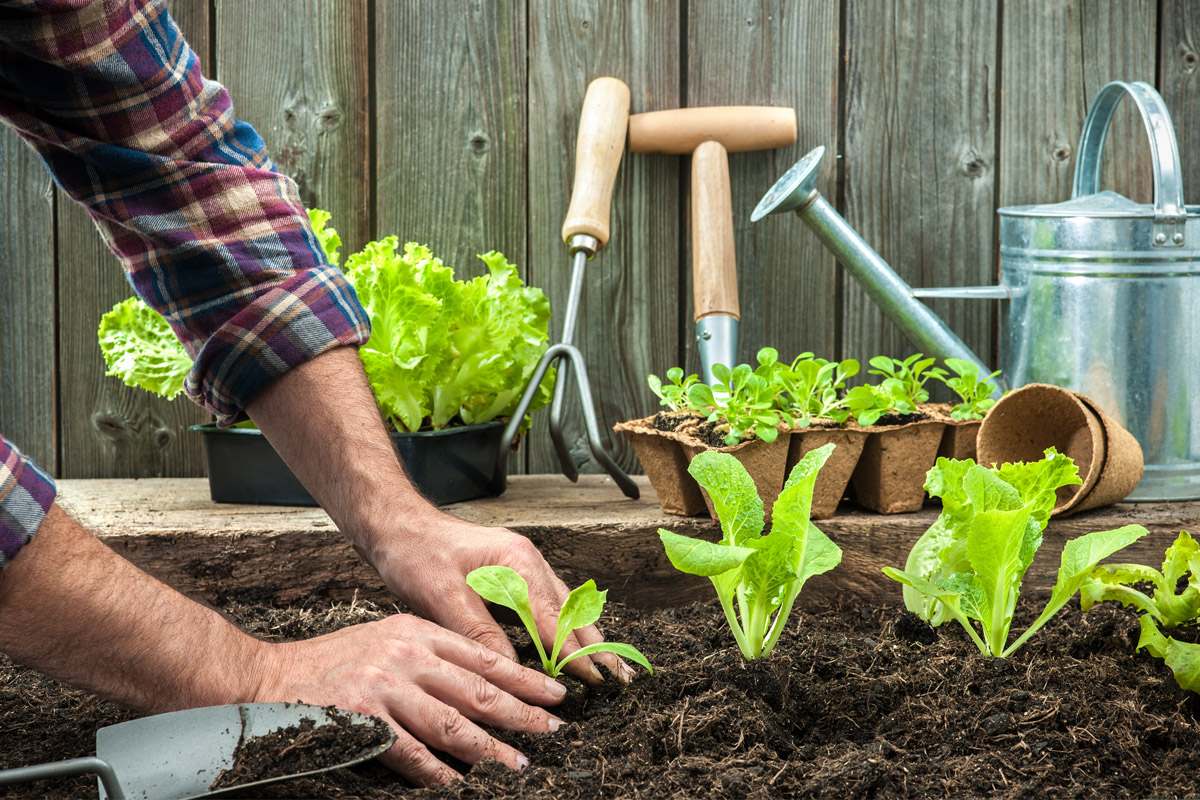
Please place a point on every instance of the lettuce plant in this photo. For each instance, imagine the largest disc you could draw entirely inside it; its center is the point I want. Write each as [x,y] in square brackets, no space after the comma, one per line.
[140,348]
[1174,600]
[757,578]
[974,393]
[505,587]
[969,565]
[672,394]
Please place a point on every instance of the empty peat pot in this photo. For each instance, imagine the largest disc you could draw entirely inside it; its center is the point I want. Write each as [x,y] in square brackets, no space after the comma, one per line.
[1023,424]
[447,466]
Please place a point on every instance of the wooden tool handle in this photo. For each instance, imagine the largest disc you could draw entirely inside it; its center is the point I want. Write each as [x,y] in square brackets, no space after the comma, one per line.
[598,149]
[714,262]
[738,128]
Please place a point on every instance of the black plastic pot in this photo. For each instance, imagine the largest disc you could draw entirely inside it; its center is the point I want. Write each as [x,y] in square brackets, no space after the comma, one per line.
[447,466]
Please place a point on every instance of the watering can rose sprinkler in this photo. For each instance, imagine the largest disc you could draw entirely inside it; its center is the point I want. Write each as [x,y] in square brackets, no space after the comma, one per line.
[1104,292]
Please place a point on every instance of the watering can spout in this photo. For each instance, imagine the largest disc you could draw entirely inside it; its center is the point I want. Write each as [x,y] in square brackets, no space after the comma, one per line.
[796,191]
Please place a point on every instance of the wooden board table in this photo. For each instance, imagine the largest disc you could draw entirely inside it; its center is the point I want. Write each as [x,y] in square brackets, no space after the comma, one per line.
[589,530]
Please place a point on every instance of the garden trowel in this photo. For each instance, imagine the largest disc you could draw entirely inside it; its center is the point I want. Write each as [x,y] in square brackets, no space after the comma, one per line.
[178,755]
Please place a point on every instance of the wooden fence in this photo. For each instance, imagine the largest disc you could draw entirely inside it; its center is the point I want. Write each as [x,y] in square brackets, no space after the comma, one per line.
[452,122]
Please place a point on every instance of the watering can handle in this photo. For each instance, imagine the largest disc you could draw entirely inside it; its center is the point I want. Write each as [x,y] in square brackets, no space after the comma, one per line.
[1169,207]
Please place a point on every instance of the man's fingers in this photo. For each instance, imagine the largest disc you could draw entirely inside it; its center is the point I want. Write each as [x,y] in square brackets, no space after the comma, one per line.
[470,618]
[414,761]
[482,701]
[521,682]
[445,729]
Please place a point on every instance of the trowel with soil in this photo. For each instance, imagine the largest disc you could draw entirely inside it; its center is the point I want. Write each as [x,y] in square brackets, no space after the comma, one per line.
[205,752]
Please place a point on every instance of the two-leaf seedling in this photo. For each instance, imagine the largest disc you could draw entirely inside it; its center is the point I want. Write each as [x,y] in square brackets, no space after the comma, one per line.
[505,587]
[970,564]
[757,577]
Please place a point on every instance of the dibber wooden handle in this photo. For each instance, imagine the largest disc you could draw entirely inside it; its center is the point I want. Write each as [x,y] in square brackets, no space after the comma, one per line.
[598,149]
[714,263]
[738,128]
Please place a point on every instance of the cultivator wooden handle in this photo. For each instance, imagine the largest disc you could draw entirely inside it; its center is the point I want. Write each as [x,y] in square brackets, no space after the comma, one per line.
[598,149]
[737,128]
[714,262]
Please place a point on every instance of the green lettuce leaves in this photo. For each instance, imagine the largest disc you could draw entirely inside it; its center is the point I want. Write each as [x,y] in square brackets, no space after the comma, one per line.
[969,565]
[757,578]
[140,348]
[443,350]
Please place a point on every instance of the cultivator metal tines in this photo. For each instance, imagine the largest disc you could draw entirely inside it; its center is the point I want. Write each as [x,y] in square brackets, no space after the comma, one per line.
[598,149]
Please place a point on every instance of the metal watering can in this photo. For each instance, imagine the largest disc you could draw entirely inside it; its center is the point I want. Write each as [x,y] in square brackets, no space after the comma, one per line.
[1104,293]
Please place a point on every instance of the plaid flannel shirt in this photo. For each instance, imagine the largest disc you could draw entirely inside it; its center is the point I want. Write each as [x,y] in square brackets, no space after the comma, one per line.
[209,233]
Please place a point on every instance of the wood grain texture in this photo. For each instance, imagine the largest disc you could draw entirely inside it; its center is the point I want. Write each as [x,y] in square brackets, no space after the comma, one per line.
[920,130]
[629,317]
[780,53]
[170,528]
[28,378]
[1056,56]
[106,429]
[450,111]
[714,250]
[298,72]
[1179,84]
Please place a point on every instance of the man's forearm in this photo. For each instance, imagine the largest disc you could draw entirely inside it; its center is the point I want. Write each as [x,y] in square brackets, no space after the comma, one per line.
[322,419]
[74,609]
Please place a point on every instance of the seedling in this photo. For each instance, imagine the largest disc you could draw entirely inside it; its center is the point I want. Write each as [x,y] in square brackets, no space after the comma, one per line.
[868,403]
[673,394]
[744,399]
[974,393]
[757,578]
[811,388]
[1174,600]
[907,377]
[970,563]
[505,587]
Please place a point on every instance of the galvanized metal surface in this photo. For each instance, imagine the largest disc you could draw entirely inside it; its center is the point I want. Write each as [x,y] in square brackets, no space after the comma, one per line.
[717,343]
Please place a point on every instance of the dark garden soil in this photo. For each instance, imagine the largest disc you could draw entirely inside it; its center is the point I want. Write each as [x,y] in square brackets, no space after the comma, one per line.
[305,747]
[669,421]
[901,419]
[856,702]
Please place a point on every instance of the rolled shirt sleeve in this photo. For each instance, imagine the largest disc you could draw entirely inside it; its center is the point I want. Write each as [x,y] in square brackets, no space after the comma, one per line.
[209,233]
[26,493]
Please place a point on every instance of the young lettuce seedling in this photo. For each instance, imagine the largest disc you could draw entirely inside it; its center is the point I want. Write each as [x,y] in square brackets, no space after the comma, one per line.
[811,388]
[757,577]
[673,394]
[974,393]
[505,587]
[1173,601]
[911,375]
[970,564]
[744,399]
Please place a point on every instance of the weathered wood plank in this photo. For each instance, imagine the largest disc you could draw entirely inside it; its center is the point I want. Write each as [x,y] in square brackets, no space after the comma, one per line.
[782,269]
[27,353]
[451,141]
[629,320]
[588,530]
[1179,83]
[1056,56]
[107,430]
[920,128]
[450,114]
[304,86]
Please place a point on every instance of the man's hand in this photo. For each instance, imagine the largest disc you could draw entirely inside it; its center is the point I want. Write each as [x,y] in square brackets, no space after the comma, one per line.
[322,418]
[427,569]
[431,686]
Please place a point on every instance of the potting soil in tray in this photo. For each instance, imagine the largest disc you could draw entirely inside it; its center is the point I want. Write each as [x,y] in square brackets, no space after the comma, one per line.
[856,702]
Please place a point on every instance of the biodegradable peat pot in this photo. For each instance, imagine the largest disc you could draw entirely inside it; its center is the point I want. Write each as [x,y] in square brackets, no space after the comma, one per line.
[766,463]
[665,464]
[1027,421]
[835,475]
[961,437]
[890,476]
[447,466]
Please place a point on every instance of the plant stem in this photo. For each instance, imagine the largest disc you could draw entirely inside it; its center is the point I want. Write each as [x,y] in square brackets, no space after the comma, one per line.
[736,628]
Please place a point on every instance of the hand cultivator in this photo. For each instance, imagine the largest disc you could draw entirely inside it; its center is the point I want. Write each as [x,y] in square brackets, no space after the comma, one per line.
[598,150]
